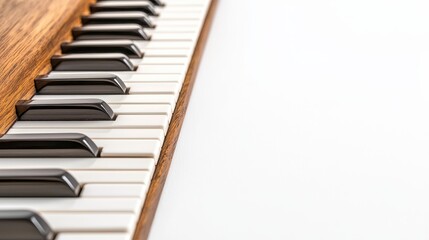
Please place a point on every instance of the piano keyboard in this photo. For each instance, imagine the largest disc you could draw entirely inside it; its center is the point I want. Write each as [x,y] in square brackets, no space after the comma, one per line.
[78,162]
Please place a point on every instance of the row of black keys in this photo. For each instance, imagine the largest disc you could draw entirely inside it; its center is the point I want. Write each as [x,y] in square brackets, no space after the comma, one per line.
[108,55]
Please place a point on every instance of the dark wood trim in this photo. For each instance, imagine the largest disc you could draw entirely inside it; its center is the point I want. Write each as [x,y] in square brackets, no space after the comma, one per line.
[164,162]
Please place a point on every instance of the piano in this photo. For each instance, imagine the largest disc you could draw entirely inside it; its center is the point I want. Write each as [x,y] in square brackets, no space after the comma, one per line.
[93,95]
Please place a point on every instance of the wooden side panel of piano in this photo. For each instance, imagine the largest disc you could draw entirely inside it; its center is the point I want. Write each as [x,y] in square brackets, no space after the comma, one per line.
[33,34]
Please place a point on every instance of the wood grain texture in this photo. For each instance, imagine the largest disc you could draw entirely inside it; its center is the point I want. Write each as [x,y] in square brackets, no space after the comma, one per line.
[166,156]
[31,31]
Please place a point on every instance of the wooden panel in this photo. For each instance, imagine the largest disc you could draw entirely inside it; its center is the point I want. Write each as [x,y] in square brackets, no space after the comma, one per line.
[30,33]
[164,162]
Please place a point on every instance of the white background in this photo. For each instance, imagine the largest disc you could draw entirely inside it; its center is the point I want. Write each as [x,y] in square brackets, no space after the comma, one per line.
[309,120]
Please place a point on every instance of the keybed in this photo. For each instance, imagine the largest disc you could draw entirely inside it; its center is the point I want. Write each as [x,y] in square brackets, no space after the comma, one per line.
[112,185]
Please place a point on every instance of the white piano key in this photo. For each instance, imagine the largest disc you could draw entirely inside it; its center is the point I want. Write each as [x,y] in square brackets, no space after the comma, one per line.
[142,109]
[144,45]
[157,134]
[161,36]
[94,236]
[129,148]
[118,99]
[185,15]
[114,190]
[91,222]
[122,121]
[161,28]
[147,164]
[168,53]
[98,176]
[154,88]
[131,205]
[135,77]
[162,61]
[162,69]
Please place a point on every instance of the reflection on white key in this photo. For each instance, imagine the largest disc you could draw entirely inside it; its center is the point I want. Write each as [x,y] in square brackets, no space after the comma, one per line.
[129,148]
[122,121]
[94,236]
[114,190]
[73,204]
[91,222]
[111,176]
[157,134]
[146,164]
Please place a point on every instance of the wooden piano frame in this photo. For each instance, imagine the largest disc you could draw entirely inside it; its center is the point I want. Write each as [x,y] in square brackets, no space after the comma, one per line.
[33,33]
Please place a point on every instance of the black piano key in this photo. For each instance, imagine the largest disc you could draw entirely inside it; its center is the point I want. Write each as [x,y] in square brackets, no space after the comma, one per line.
[126,47]
[92,62]
[114,6]
[48,145]
[23,225]
[38,183]
[64,110]
[158,3]
[69,84]
[110,32]
[118,18]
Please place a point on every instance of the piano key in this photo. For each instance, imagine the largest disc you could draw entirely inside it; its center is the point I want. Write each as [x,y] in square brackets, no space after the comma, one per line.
[164,69]
[134,77]
[23,225]
[139,18]
[114,190]
[94,236]
[126,47]
[63,110]
[161,61]
[154,88]
[110,32]
[55,204]
[37,183]
[91,222]
[118,99]
[112,176]
[168,53]
[68,164]
[129,148]
[161,36]
[154,2]
[96,83]
[162,28]
[146,45]
[115,6]
[92,62]
[47,145]
[122,121]
[157,134]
